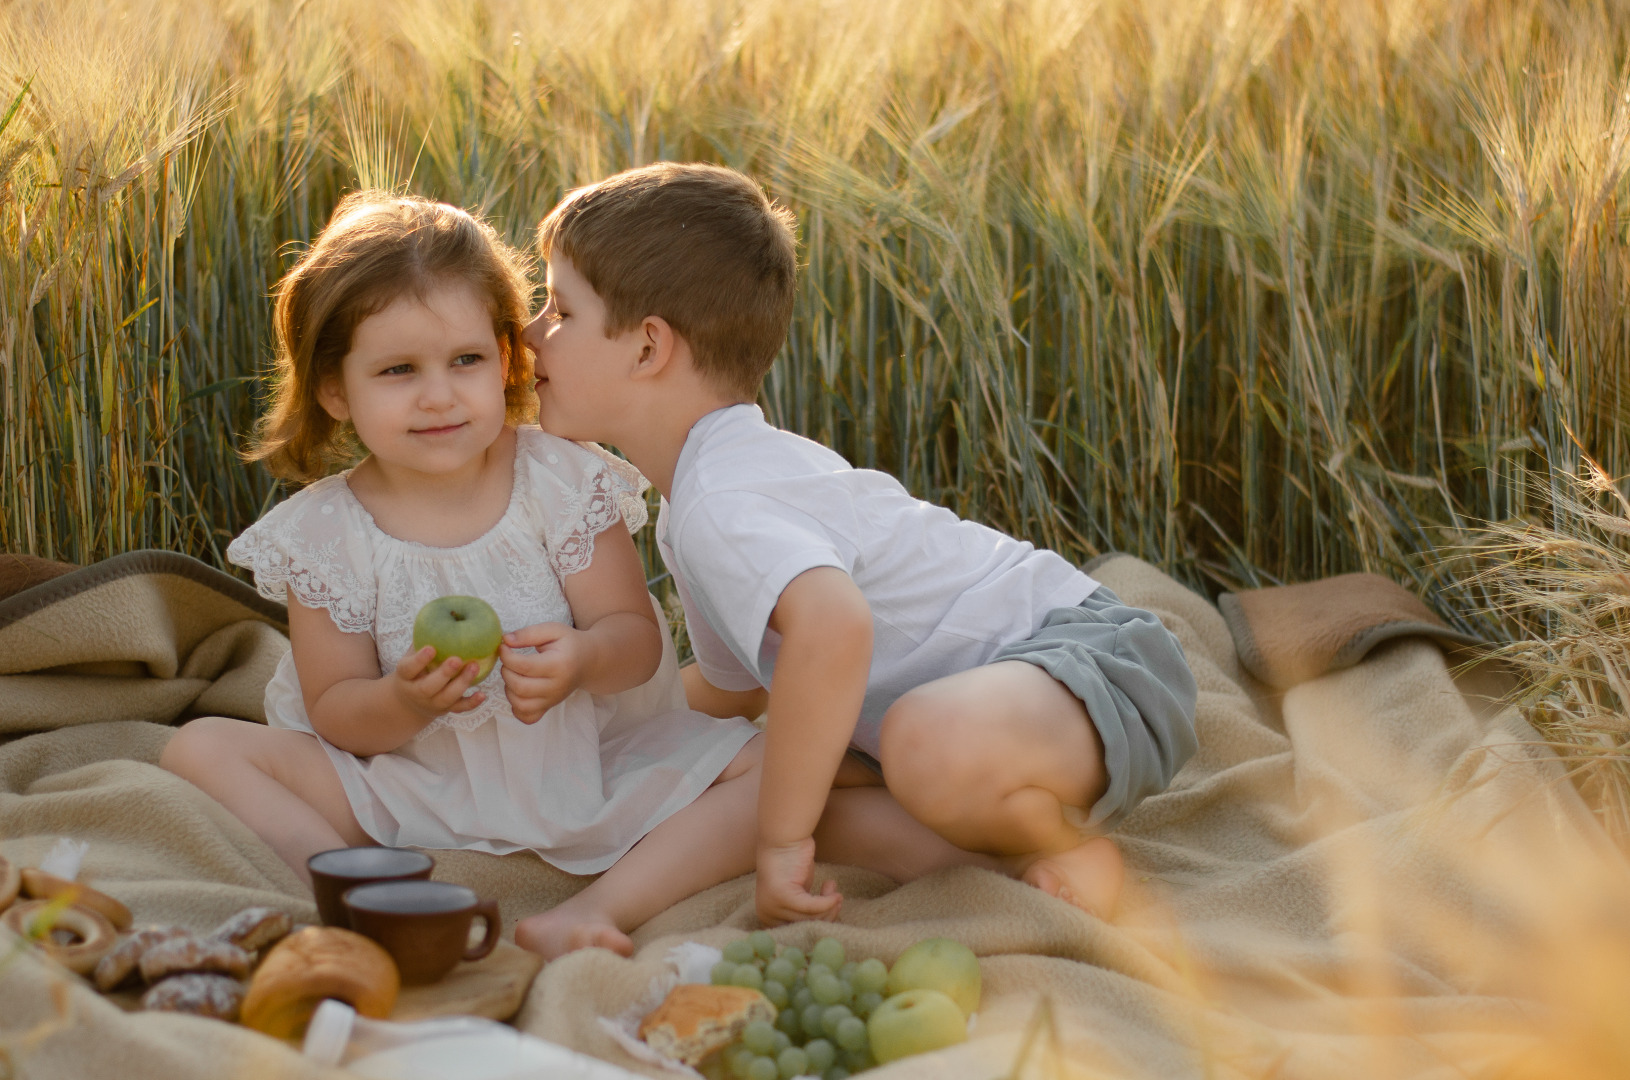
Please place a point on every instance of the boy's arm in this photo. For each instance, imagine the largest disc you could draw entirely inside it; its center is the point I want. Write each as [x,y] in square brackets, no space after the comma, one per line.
[347,700]
[814,702]
[704,697]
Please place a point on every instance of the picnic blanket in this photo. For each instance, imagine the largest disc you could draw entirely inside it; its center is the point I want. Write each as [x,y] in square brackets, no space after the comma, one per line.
[1352,878]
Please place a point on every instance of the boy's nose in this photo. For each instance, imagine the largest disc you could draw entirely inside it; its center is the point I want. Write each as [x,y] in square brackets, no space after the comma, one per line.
[532,333]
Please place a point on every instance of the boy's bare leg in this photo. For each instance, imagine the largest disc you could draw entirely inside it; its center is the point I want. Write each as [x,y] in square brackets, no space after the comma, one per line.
[713,839]
[865,826]
[989,758]
[277,781]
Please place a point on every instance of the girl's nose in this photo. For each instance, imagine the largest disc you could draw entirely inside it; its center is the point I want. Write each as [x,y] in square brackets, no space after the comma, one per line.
[436,391]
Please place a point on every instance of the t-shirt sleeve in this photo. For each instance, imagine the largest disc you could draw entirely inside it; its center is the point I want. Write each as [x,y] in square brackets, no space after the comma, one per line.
[737,551]
[314,547]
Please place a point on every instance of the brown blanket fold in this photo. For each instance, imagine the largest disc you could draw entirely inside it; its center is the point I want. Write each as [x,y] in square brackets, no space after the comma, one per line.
[19,572]
[1289,634]
[149,635]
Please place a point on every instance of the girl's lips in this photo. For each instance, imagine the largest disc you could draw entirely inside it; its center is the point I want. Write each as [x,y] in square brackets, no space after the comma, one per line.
[438,430]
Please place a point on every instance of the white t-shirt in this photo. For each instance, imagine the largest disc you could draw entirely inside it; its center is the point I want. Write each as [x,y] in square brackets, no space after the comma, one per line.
[753,507]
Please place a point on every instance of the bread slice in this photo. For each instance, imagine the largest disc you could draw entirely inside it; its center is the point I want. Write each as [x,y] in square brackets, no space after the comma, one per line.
[695,1020]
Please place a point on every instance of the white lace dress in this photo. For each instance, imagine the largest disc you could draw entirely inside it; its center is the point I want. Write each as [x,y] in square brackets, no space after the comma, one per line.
[581,785]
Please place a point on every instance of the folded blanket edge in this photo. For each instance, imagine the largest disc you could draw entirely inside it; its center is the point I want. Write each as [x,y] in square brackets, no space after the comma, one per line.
[137,564]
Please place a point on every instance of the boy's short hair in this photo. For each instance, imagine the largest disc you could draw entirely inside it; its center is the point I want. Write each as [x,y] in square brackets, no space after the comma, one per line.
[700,246]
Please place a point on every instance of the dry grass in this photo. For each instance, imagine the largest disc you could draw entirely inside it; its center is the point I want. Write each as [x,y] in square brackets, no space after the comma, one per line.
[1564,589]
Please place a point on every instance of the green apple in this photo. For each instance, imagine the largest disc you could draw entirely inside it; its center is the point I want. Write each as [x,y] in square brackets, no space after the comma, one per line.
[461,626]
[939,964]
[914,1022]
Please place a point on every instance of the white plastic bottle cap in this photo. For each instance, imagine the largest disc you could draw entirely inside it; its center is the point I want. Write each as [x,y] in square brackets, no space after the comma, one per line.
[329,1032]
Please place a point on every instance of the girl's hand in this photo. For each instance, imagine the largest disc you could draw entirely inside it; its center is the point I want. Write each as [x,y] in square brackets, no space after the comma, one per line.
[785,873]
[536,682]
[431,692]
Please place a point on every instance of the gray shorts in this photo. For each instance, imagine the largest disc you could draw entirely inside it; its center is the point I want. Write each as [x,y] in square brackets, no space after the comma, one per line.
[1129,671]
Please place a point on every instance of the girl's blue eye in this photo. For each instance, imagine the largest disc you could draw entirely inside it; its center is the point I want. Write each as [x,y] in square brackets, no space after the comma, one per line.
[397,369]
[469,358]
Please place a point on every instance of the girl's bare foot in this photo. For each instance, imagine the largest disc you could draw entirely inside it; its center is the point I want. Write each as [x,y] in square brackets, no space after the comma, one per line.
[553,934]
[1089,876]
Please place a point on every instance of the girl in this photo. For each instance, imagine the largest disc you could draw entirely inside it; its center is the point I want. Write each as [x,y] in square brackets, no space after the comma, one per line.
[400,329]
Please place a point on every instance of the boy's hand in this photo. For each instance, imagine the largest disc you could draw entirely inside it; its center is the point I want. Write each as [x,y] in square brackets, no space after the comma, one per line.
[785,873]
[536,682]
[432,691]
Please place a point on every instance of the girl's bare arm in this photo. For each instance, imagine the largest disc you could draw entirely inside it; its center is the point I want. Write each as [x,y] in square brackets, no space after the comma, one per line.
[355,706]
[612,608]
[614,644]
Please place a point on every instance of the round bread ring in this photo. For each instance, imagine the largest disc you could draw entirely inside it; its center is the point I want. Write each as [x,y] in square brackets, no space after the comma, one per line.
[43,886]
[96,935]
[11,882]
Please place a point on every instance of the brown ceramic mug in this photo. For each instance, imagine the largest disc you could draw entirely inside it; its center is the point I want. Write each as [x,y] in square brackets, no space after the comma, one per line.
[424,925]
[339,869]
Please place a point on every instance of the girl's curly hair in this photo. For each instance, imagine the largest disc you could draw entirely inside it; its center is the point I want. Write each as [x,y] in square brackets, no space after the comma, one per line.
[377,247]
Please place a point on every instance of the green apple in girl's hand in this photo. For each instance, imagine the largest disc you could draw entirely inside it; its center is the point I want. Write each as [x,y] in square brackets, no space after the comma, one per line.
[461,626]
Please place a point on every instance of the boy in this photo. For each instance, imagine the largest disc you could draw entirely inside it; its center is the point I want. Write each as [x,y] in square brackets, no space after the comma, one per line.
[1005,707]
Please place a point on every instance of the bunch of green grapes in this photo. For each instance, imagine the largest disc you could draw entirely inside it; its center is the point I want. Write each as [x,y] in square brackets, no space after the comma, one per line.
[823,1001]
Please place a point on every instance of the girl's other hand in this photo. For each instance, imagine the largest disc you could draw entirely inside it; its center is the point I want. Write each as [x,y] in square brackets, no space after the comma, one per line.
[541,665]
[432,691]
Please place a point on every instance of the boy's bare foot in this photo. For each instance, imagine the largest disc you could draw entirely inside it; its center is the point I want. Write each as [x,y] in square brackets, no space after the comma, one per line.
[1089,876]
[553,934]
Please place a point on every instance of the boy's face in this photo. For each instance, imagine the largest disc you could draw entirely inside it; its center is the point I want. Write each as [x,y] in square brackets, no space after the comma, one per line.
[580,371]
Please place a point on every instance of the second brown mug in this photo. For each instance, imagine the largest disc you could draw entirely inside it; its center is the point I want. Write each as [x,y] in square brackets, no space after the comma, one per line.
[339,869]
[424,925]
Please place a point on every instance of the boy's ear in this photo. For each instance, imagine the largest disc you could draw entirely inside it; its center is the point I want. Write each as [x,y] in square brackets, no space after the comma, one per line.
[331,396]
[657,345]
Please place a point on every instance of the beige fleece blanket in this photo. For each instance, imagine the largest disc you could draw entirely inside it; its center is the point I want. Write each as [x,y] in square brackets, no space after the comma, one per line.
[1364,875]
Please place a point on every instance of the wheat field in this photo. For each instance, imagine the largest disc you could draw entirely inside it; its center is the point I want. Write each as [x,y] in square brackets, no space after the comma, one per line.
[1255,290]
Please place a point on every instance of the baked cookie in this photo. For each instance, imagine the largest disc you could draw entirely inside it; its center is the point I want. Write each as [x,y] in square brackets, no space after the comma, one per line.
[190,953]
[121,965]
[254,929]
[216,996]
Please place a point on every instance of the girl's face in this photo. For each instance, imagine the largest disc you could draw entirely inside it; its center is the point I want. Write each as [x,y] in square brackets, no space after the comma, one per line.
[424,381]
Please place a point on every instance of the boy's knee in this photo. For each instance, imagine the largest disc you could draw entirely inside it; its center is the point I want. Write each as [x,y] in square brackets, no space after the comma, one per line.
[926,760]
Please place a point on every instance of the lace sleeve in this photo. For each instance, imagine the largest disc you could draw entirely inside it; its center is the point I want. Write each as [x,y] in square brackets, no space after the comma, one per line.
[629,484]
[310,547]
[577,491]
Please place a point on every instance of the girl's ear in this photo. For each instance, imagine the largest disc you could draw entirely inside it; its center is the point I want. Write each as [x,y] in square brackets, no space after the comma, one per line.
[331,396]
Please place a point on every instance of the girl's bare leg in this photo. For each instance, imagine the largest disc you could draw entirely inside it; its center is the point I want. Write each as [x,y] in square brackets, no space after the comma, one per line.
[277,781]
[713,839]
